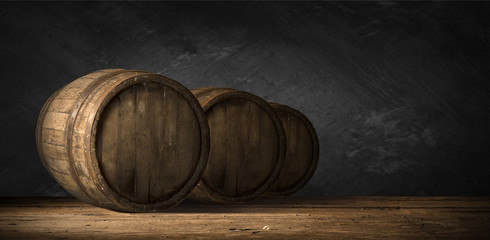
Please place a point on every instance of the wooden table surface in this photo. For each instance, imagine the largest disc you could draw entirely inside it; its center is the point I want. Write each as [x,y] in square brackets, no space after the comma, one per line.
[285,218]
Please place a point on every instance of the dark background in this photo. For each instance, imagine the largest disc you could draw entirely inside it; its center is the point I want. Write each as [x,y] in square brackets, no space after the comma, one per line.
[397,91]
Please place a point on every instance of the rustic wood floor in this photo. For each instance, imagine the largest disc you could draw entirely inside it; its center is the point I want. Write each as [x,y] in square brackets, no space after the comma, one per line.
[286,218]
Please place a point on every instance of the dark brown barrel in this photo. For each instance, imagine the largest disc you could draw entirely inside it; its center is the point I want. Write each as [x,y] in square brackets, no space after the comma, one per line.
[247,149]
[301,155]
[125,140]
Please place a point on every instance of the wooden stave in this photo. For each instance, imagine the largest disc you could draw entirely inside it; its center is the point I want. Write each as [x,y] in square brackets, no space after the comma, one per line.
[204,193]
[315,150]
[100,193]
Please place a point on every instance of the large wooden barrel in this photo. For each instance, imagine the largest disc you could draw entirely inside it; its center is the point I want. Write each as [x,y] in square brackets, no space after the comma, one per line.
[247,146]
[301,155]
[125,140]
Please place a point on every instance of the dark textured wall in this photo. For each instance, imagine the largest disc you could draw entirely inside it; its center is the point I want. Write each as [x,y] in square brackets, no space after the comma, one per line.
[398,92]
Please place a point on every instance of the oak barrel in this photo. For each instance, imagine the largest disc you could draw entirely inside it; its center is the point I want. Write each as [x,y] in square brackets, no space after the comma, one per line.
[247,150]
[125,140]
[301,155]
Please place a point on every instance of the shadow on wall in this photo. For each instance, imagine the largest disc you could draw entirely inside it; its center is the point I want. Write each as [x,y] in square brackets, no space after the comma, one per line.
[397,91]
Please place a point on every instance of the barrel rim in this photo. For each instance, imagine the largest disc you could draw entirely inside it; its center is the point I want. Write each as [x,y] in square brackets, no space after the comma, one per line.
[199,167]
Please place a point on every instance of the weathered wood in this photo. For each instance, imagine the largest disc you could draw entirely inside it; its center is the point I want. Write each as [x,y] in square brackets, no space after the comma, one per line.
[301,154]
[247,146]
[111,138]
[285,218]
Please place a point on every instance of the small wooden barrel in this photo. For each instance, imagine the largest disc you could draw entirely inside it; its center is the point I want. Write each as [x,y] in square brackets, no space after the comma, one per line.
[248,146]
[301,155]
[124,140]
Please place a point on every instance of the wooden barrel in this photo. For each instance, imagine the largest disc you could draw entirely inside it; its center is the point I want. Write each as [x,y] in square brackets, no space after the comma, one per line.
[301,155]
[125,140]
[247,146]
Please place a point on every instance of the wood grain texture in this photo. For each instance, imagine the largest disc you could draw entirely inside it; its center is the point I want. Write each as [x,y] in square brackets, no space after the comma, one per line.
[301,154]
[285,218]
[118,145]
[247,146]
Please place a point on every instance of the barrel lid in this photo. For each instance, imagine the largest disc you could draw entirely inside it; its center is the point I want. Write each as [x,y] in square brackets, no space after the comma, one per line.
[150,141]
[302,151]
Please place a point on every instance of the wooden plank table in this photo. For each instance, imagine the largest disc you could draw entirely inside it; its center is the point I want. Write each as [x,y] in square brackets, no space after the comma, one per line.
[285,218]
